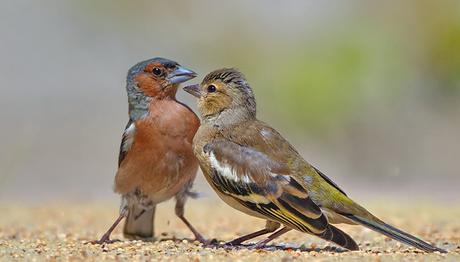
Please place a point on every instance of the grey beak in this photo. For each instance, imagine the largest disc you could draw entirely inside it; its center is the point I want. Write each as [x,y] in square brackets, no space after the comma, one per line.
[180,75]
[194,90]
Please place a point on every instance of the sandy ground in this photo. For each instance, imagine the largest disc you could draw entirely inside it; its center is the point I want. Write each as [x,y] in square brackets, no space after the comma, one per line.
[60,231]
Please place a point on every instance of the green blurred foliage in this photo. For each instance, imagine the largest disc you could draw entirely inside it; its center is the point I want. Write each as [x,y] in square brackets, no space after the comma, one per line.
[319,84]
[443,53]
[326,82]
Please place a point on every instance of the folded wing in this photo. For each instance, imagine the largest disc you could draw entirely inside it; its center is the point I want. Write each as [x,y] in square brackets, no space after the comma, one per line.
[265,186]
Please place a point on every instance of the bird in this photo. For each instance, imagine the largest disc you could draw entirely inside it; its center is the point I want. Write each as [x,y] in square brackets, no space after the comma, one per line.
[156,161]
[255,170]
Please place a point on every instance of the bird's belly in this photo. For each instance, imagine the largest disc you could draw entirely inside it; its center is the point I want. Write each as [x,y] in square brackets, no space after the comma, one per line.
[157,171]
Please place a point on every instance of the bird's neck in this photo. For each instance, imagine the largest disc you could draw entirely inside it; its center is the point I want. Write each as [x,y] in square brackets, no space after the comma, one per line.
[229,117]
[138,104]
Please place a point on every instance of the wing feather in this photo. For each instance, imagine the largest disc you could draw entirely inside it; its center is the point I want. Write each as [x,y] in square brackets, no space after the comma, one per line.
[328,180]
[126,141]
[264,186]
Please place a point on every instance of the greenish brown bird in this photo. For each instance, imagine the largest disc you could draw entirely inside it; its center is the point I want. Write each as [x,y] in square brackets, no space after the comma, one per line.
[255,170]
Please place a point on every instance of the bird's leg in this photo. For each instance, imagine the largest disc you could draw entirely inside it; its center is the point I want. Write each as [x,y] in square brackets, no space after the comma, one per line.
[197,235]
[179,209]
[123,213]
[278,233]
[106,237]
[269,227]
[238,241]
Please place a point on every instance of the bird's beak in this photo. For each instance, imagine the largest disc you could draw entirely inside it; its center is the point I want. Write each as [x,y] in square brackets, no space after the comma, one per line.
[180,75]
[194,90]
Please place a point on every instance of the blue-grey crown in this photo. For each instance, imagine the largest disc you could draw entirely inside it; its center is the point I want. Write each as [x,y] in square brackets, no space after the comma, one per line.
[133,71]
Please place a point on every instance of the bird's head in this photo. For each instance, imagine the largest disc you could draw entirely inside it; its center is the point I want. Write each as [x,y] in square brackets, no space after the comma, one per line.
[157,77]
[224,94]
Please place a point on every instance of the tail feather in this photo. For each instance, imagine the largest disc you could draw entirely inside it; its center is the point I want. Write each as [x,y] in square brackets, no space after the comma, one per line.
[139,223]
[394,233]
[339,237]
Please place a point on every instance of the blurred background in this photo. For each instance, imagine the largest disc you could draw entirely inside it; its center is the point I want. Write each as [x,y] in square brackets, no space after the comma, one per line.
[368,92]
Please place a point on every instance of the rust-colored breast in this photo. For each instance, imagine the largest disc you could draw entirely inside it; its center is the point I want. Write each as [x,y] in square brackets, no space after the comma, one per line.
[160,160]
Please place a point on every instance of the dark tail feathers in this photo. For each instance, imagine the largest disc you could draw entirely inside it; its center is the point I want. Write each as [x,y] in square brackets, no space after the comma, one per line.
[139,223]
[394,233]
[339,237]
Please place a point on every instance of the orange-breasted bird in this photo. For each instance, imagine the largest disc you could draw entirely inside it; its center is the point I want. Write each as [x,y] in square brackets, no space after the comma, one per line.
[156,160]
[255,170]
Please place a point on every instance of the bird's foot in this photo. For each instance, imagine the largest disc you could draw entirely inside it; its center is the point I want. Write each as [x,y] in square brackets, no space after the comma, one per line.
[262,244]
[201,239]
[256,246]
[207,242]
[233,243]
[104,240]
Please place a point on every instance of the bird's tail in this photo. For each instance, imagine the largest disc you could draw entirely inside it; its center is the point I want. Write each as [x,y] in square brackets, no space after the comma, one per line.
[394,233]
[139,223]
[339,237]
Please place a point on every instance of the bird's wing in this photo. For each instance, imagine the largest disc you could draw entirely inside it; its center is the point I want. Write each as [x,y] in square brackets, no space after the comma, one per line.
[126,141]
[264,138]
[263,185]
[328,180]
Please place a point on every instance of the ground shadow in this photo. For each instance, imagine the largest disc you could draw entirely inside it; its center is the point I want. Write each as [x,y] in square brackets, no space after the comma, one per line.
[215,243]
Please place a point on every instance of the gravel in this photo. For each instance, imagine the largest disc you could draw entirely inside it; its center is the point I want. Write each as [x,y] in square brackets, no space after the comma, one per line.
[61,231]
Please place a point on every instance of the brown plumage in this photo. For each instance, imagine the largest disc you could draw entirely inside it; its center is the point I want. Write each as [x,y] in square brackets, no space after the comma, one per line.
[255,170]
[156,160]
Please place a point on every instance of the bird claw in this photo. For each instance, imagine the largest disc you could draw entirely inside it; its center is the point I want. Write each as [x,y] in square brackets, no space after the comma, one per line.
[103,241]
[237,245]
[255,246]
[229,245]
[201,240]
[233,243]
[207,242]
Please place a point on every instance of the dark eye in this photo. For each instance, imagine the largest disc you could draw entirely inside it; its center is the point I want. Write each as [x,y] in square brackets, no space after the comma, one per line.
[211,88]
[156,71]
